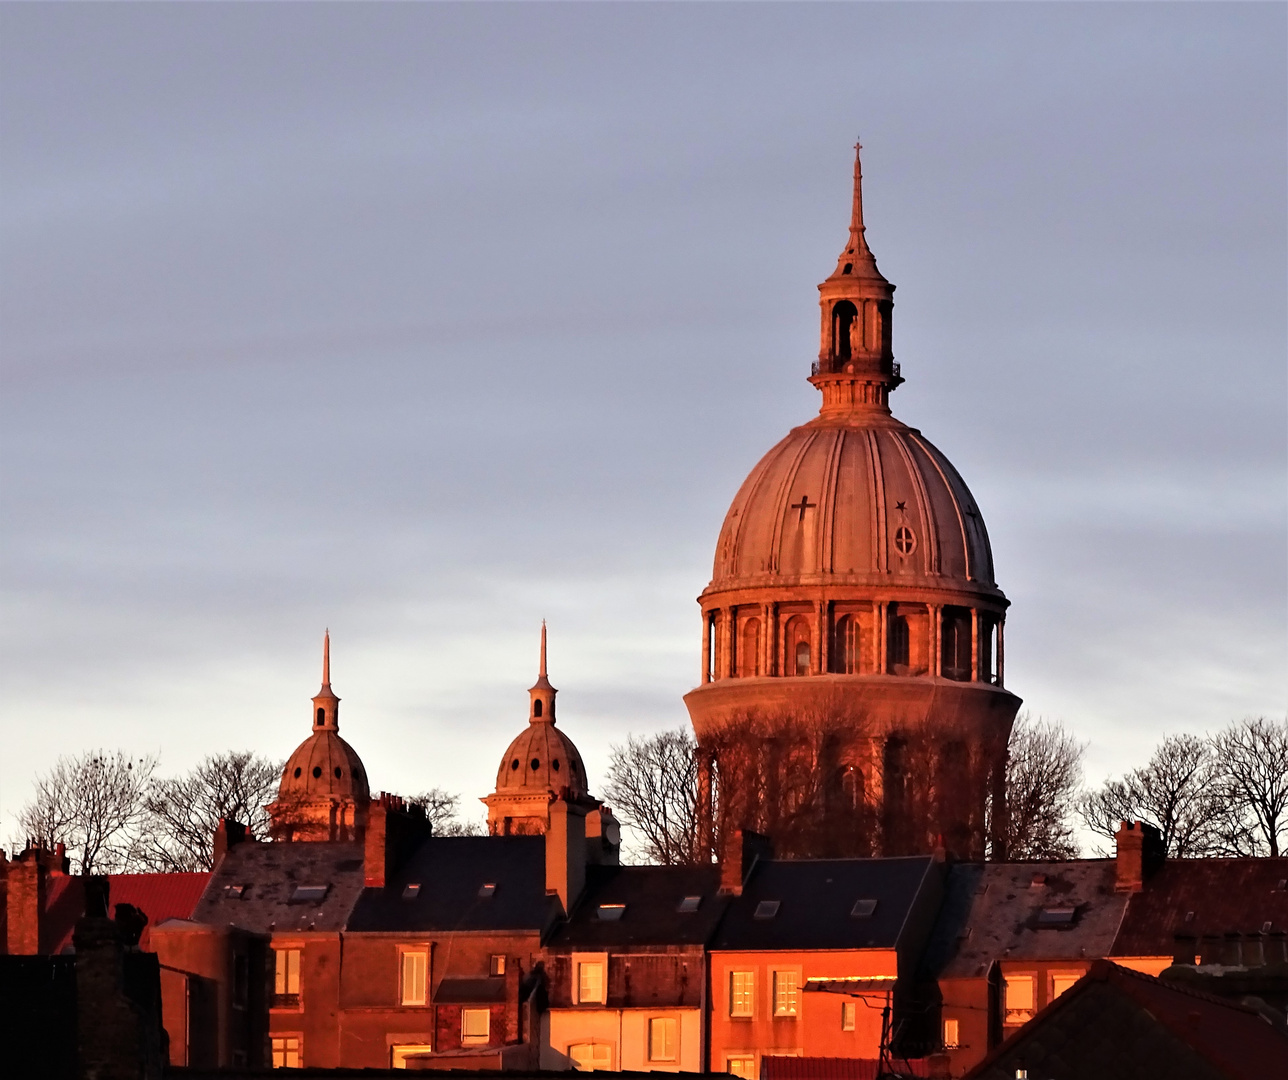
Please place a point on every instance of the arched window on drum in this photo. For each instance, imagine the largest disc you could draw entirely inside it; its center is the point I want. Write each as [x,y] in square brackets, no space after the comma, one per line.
[749,649]
[845,646]
[796,647]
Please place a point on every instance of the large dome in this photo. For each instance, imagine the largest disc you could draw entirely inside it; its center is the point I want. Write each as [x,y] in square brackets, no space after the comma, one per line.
[324,764]
[857,499]
[542,758]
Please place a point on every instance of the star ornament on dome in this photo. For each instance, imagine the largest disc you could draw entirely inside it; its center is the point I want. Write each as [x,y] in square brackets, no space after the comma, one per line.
[901,506]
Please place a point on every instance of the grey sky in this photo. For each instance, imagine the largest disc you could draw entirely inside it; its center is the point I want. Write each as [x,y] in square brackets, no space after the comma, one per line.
[425,322]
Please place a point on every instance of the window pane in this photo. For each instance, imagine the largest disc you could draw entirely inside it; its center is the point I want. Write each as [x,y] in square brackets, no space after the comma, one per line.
[1019,998]
[661,1038]
[784,993]
[744,1067]
[286,1052]
[951,1038]
[741,993]
[590,982]
[849,1010]
[475,1023]
[589,1056]
[1061,982]
[287,974]
[415,968]
[400,1054]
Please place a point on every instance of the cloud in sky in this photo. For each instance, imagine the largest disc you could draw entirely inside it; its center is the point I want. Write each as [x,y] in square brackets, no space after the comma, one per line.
[424,322]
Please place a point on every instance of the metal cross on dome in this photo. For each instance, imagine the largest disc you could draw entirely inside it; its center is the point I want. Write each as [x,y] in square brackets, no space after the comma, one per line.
[804,505]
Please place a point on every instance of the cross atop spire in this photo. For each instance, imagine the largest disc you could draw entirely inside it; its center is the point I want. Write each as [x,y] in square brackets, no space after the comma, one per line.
[326,706]
[856,214]
[541,706]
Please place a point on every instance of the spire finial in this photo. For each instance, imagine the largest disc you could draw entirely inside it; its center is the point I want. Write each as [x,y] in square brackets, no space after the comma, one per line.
[326,658]
[542,673]
[857,241]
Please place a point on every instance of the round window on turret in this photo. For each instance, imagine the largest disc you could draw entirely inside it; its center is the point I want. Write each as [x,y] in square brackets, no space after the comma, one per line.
[905,541]
[298,770]
[317,771]
[536,764]
[337,772]
[555,764]
[514,764]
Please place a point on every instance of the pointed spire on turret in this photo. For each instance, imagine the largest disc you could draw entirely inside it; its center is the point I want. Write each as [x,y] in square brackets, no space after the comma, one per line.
[326,706]
[857,260]
[542,695]
[856,213]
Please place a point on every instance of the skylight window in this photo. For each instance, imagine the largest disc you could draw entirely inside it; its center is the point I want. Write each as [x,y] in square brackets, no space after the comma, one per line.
[1056,916]
[235,892]
[863,909]
[488,890]
[410,892]
[767,909]
[689,904]
[611,912]
[305,894]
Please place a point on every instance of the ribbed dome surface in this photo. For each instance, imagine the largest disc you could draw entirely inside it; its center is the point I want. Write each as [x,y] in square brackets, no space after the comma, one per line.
[542,758]
[324,764]
[862,498]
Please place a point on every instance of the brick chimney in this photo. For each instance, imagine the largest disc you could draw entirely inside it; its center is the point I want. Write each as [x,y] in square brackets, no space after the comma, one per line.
[603,837]
[228,833]
[394,830]
[742,849]
[566,852]
[1139,853]
[27,899]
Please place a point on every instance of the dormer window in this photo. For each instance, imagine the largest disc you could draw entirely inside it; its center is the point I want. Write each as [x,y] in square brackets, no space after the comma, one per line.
[611,912]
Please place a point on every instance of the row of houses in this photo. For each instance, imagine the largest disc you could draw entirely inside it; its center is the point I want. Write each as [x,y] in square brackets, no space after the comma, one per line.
[540,952]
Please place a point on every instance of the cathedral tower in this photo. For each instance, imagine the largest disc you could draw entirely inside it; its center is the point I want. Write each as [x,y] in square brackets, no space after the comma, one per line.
[852,697]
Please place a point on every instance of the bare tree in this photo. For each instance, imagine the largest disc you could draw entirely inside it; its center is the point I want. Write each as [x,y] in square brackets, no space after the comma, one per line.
[1043,786]
[1176,792]
[653,783]
[182,812]
[93,803]
[1252,778]
[442,813]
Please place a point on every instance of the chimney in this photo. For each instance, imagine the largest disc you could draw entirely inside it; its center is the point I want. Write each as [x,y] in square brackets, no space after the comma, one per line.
[228,833]
[394,830]
[742,850]
[27,898]
[603,837]
[1139,853]
[566,852]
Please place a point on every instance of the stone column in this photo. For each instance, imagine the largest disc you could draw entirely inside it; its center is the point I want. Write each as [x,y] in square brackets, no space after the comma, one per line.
[731,649]
[706,647]
[936,640]
[824,638]
[771,638]
[880,644]
[1001,653]
[974,644]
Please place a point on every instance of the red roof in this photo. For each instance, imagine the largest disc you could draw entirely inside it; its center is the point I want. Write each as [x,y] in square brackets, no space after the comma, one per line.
[835,1068]
[1204,897]
[158,896]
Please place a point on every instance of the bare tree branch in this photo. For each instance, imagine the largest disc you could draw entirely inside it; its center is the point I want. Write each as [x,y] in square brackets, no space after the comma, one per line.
[653,783]
[441,811]
[1252,770]
[1043,785]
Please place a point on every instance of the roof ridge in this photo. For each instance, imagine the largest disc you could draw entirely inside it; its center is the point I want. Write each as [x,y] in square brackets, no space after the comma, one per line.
[1118,970]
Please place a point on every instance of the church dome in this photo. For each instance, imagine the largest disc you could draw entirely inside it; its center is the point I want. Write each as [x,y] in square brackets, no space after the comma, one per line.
[857,498]
[324,764]
[542,758]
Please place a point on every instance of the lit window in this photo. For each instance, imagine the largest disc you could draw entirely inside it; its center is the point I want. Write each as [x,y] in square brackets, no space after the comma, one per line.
[286,1052]
[952,1036]
[475,1025]
[1062,981]
[744,1067]
[849,1013]
[742,992]
[413,977]
[309,894]
[786,989]
[587,1057]
[766,909]
[611,912]
[1018,990]
[286,982]
[497,966]
[590,982]
[662,1038]
[689,904]
[399,1054]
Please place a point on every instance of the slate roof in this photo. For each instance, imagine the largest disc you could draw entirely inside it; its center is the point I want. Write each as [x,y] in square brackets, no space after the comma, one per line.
[1002,922]
[816,899]
[652,897]
[270,874]
[450,871]
[1115,1023]
[1205,898]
